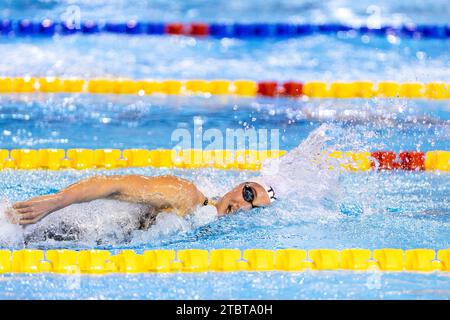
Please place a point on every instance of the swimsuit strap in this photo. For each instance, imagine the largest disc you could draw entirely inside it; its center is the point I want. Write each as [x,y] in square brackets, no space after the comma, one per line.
[210,202]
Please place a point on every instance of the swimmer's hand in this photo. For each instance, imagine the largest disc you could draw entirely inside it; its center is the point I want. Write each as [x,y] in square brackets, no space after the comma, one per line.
[33,210]
[11,216]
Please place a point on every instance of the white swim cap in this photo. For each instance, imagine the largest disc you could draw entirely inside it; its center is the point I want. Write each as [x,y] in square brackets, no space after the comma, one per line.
[269,190]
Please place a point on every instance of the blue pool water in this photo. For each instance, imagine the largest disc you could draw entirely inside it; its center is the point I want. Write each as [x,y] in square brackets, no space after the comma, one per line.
[328,209]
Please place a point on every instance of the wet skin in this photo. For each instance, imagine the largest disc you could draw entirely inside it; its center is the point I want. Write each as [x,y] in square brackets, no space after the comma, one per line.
[162,194]
[233,200]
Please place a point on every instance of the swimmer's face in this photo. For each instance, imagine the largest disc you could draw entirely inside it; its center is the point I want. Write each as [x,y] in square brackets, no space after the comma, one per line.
[245,196]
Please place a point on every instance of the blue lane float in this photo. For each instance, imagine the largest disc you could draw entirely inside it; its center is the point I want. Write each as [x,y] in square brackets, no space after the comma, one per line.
[47,27]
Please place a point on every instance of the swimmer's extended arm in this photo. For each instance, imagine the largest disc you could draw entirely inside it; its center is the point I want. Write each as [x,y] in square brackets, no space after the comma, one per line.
[165,192]
[34,209]
[97,187]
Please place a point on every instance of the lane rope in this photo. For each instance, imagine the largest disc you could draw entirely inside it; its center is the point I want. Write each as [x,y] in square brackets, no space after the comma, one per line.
[47,27]
[58,159]
[242,88]
[222,260]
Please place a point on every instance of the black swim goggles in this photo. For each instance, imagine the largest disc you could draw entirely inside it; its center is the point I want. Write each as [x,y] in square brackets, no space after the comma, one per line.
[248,194]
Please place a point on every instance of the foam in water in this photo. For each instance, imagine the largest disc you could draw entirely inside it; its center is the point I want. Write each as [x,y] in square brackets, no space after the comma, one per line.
[10,234]
[302,171]
[169,224]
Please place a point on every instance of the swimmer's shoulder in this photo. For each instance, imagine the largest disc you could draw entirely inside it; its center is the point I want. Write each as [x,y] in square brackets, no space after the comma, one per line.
[170,179]
[167,179]
[188,193]
[190,188]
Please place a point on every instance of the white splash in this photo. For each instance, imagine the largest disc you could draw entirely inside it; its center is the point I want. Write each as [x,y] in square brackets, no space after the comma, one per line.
[99,221]
[169,224]
[304,171]
[10,234]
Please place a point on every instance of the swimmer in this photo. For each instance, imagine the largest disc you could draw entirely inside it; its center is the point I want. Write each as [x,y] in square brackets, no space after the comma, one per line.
[159,193]
[301,168]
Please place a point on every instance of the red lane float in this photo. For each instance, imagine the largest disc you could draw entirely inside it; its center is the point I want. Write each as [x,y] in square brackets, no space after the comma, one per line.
[405,160]
[412,160]
[385,160]
[199,29]
[268,88]
[293,89]
[194,29]
[272,89]
[174,28]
